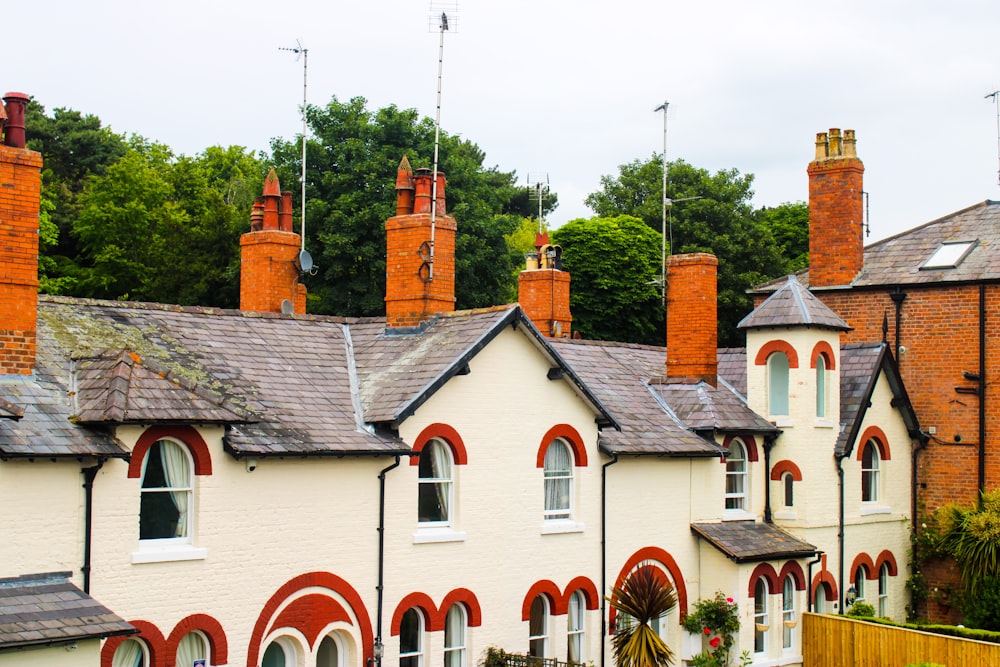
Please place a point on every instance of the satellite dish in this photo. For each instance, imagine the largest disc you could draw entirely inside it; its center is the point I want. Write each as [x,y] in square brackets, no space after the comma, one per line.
[287,307]
[305,261]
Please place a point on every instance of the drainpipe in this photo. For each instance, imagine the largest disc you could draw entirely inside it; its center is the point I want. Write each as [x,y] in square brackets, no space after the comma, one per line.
[604,555]
[768,443]
[89,475]
[982,391]
[840,538]
[914,483]
[377,649]
[898,297]
[809,575]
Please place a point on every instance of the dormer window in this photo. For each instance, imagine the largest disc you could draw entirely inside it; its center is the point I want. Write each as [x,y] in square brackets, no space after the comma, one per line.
[949,255]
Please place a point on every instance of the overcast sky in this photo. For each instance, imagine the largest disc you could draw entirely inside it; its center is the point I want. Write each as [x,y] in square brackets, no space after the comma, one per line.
[563,87]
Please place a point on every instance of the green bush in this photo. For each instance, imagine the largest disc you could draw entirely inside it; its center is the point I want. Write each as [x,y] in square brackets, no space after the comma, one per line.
[982,610]
[861,609]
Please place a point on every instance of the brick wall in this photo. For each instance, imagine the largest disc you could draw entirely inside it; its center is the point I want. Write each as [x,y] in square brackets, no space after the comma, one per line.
[544,296]
[692,330]
[836,249]
[20,190]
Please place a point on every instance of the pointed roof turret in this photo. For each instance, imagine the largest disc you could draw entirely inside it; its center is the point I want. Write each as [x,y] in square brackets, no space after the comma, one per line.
[793,305]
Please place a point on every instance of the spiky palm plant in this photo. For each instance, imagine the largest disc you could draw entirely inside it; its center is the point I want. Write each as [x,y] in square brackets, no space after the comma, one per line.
[645,595]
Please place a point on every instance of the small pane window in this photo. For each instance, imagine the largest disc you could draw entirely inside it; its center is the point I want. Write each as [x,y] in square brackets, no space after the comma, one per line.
[130,653]
[789,486]
[435,483]
[777,383]
[736,477]
[870,473]
[883,591]
[787,612]
[558,481]
[454,637]
[760,616]
[821,386]
[411,633]
[574,628]
[165,503]
[538,627]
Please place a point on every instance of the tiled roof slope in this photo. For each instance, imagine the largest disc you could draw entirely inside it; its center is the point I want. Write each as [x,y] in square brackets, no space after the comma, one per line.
[733,368]
[897,259]
[47,609]
[792,305]
[749,541]
[704,407]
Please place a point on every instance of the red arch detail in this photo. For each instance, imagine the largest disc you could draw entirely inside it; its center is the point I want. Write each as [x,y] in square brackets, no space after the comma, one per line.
[186,434]
[571,436]
[823,578]
[765,570]
[585,586]
[218,646]
[417,600]
[150,636]
[550,591]
[310,614]
[773,346]
[823,349]
[886,558]
[466,598]
[781,467]
[878,436]
[658,555]
[448,435]
[862,559]
[312,579]
[751,447]
[793,570]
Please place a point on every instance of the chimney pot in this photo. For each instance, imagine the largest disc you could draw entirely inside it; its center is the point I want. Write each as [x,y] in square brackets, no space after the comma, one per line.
[285,215]
[16,107]
[422,197]
[822,146]
[404,188]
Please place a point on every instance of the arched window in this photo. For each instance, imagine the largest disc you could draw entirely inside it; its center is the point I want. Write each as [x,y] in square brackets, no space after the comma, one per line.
[165,506]
[761,626]
[130,653]
[821,386]
[883,590]
[454,636]
[328,654]
[434,499]
[788,480]
[860,575]
[787,611]
[558,481]
[411,639]
[279,654]
[870,473]
[538,627]
[575,629]
[193,646]
[777,383]
[736,476]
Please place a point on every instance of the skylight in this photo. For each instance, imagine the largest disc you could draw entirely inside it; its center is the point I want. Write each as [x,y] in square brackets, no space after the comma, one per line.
[949,255]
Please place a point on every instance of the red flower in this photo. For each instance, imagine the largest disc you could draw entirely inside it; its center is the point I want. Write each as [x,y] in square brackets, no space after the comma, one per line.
[729,600]
[707,631]
[714,642]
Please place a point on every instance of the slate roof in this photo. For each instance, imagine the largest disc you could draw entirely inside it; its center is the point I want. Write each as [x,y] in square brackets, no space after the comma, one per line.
[793,305]
[733,368]
[47,609]
[704,407]
[897,260]
[749,541]
[9,410]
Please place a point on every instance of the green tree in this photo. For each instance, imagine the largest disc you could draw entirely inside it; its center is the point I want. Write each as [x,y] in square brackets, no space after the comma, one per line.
[709,213]
[643,597]
[789,225]
[614,263]
[351,171]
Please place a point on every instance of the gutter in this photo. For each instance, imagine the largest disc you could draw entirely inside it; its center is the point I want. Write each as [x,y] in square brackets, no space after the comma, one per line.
[768,443]
[809,575]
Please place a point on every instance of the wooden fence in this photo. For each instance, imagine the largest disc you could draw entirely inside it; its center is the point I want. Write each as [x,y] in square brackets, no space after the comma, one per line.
[839,641]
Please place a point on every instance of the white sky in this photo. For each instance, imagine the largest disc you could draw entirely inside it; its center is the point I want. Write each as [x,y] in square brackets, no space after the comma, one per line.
[566,87]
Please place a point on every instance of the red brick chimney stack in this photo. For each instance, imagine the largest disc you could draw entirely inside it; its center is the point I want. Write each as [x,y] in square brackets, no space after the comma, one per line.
[269,272]
[543,290]
[692,318]
[20,193]
[836,210]
[413,292]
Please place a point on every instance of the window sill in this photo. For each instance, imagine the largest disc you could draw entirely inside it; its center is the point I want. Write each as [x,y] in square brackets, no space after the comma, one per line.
[786,515]
[875,509]
[823,423]
[737,515]
[434,535]
[782,421]
[557,526]
[165,553]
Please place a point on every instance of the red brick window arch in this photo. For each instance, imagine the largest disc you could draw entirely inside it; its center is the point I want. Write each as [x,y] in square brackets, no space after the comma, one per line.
[779,357]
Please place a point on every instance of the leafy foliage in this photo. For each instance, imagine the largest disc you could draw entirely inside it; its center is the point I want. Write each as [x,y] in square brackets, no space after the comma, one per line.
[861,610]
[716,617]
[710,213]
[645,595]
[614,263]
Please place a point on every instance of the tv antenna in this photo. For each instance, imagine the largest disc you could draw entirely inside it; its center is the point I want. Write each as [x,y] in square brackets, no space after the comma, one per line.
[539,190]
[445,14]
[995,95]
[305,260]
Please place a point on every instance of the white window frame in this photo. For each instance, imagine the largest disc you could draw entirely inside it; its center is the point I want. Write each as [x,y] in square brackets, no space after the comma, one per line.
[541,637]
[788,489]
[418,652]
[338,647]
[883,590]
[788,620]
[860,575]
[558,511]
[778,384]
[576,632]
[119,659]
[821,392]
[445,482]
[454,647]
[871,473]
[189,660]
[188,491]
[738,470]
[289,650]
[760,617]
